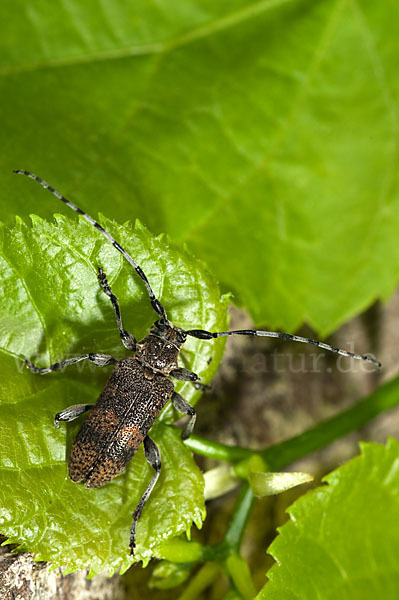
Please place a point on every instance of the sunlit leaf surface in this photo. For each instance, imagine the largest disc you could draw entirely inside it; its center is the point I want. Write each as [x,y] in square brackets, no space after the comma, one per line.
[342,539]
[52,307]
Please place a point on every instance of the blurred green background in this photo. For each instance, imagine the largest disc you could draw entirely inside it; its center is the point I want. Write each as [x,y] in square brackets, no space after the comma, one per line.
[262,134]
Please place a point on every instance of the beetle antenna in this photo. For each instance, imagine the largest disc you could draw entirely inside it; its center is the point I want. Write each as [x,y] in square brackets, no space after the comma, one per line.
[207,335]
[155,303]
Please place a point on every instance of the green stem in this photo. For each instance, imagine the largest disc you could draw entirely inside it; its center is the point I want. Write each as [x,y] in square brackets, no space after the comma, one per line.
[182,551]
[280,455]
[239,518]
[216,450]
[276,457]
[203,579]
[240,575]
[382,399]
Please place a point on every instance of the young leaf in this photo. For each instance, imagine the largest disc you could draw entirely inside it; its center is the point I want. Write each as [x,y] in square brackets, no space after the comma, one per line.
[267,484]
[52,307]
[342,540]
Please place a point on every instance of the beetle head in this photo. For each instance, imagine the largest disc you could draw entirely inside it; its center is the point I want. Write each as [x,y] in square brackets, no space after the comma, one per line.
[169,332]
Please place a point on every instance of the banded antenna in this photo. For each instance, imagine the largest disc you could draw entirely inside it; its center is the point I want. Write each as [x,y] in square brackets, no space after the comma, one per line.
[207,335]
[159,309]
[155,303]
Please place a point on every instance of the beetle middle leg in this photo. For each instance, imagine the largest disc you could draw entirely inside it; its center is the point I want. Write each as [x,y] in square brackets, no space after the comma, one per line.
[203,387]
[71,413]
[100,360]
[153,457]
[184,374]
[128,339]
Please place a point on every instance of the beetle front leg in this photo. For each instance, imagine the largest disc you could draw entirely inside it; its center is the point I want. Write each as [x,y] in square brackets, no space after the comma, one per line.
[127,339]
[186,409]
[153,457]
[71,413]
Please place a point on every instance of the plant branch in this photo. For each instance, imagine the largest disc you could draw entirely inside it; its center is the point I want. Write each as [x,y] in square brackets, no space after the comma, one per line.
[284,453]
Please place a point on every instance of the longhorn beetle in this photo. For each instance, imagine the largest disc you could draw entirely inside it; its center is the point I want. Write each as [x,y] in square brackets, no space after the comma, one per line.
[138,389]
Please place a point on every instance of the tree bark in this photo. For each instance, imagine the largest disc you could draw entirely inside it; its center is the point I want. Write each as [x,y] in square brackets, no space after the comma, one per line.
[21,578]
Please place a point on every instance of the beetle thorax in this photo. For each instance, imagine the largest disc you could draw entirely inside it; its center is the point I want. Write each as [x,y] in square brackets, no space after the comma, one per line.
[157,353]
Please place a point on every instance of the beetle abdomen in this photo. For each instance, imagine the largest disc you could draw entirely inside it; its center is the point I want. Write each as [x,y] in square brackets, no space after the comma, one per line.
[118,423]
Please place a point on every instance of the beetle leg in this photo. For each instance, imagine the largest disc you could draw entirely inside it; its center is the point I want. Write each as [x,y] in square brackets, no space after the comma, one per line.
[184,407]
[183,374]
[203,387]
[153,457]
[128,339]
[198,386]
[71,413]
[186,375]
[100,360]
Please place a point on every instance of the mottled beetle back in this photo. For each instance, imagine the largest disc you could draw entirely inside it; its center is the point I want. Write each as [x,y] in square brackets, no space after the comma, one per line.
[118,423]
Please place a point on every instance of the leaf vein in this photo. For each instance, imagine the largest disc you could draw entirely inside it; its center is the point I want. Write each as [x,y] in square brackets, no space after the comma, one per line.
[197,33]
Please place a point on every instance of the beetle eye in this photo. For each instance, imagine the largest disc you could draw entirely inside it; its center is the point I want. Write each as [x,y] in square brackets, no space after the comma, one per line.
[181,337]
[161,325]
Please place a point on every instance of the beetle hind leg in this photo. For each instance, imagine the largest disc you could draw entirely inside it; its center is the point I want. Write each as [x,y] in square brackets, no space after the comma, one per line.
[186,409]
[153,457]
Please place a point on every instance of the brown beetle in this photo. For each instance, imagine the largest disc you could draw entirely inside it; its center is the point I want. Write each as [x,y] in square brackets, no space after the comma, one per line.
[138,389]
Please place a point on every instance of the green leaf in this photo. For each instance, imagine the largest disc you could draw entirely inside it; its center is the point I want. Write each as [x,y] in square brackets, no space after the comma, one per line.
[219,481]
[262,481]
[267,484]
[342,540]
[52,307]
[262,133]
